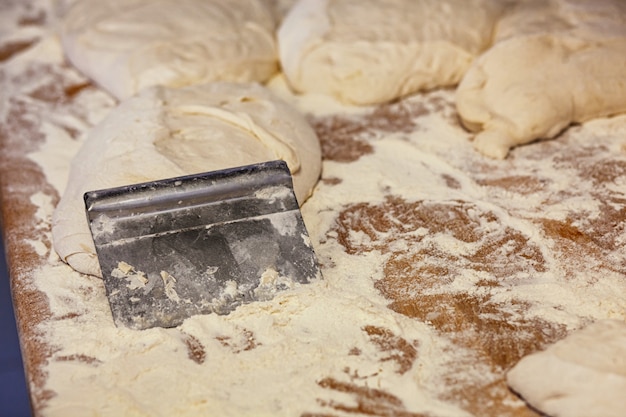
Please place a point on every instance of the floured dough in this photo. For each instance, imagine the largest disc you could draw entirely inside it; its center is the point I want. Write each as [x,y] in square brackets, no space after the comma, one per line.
[126,45]
[553,64]
[281,8]
[167,132]
[583,375]
[372,51]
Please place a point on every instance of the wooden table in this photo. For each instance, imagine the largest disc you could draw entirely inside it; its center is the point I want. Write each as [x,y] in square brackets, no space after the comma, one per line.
[43,97]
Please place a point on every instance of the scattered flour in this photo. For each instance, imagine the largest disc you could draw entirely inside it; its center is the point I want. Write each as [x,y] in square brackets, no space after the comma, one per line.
[295,353]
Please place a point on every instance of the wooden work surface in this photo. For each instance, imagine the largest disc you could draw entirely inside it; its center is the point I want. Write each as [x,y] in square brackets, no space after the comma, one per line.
[30,95]
[551,217]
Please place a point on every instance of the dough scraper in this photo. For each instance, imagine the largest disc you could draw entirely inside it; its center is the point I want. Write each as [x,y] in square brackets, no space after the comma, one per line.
[198,244]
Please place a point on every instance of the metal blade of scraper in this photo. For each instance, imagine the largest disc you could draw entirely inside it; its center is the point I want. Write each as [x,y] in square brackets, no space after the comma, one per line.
[173,248]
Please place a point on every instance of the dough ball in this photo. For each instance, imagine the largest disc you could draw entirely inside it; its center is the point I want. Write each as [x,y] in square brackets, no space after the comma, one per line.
[582,375]
[168,132]
[373,51]
[126,45]
[554,64]
[596,18]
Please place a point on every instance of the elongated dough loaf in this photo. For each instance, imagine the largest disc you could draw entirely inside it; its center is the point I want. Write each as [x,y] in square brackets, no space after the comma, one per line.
[126,45]
[373,51]
[582,375]
[554,64]
[168,132]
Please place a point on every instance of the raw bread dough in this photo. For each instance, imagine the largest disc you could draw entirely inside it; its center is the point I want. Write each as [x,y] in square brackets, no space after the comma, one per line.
[126,45]
[281,8]
[553,64]
[373,51]
[167,132]
[583,375]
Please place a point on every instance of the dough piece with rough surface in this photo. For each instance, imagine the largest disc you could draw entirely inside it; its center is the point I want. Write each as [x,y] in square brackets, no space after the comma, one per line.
[582,375]
[374,51]
[126,45]
[553,64]
[167,132]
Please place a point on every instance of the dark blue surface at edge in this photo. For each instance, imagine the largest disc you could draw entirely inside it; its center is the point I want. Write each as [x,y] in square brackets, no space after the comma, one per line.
[14,401]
